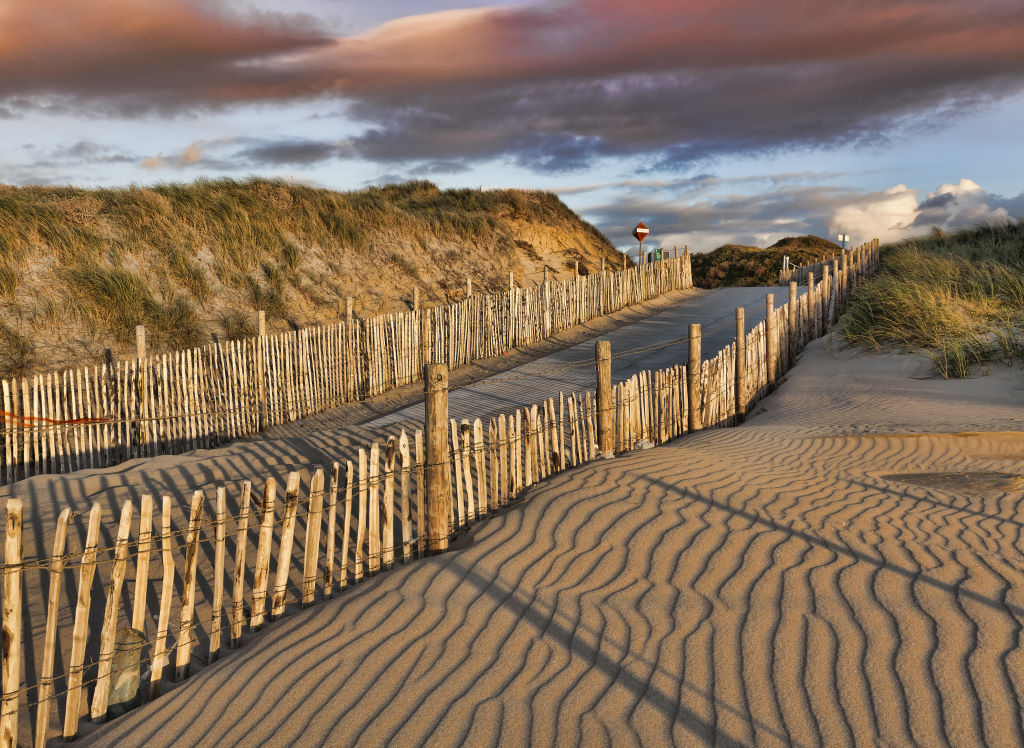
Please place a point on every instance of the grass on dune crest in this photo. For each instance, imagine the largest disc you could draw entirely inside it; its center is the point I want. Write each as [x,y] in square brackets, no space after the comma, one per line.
[80,268]
[957,297]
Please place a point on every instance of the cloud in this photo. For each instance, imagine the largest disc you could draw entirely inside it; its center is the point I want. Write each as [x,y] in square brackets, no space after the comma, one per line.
[291,151]
[793,208]
[553,87]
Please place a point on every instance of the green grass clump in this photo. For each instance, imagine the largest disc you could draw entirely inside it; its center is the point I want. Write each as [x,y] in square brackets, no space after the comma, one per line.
[959,298]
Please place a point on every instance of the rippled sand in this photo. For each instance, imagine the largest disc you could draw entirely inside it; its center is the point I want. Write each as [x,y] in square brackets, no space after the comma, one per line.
[845,568]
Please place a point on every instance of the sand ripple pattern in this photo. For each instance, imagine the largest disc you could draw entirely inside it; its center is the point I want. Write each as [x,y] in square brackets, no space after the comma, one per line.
[736,587]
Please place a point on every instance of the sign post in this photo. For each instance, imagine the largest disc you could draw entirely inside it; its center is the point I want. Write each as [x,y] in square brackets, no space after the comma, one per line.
[640,233]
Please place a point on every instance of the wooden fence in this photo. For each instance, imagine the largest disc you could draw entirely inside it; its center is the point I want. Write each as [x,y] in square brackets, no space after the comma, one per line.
[800,274]
[165,404]
[337,524]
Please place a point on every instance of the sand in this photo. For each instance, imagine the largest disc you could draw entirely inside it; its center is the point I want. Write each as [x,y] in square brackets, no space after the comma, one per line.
[845,568]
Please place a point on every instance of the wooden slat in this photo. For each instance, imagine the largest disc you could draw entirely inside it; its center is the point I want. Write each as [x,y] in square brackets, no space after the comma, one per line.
[241,543]
[45,695]
[101,692]
[161,652]
[10,651]
[261,574]
[183,655]
[284,554]
[220,550]
[332,530]
[86,571]
[311,549]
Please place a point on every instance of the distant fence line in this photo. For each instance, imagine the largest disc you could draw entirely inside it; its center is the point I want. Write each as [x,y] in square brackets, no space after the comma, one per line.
[390,501]
[800,274]
[164,404]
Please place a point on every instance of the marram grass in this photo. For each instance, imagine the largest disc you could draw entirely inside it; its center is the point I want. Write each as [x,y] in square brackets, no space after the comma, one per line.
[958,297]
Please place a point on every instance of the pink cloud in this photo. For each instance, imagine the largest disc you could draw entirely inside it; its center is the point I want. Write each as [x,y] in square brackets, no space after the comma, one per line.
[553,85]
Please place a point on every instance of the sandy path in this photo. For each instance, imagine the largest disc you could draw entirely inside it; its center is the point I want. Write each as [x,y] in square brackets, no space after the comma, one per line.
[845,568]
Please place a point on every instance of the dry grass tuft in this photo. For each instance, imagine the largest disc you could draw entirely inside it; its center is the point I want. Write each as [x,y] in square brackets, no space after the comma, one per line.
[958,297]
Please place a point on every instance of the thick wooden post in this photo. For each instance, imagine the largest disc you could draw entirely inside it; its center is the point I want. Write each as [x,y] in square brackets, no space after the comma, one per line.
[10,663]
[794,322]
[416,298]
[741,365]
[348,309]
[140,341]
[605,406]
[469,287]
[771,339]
[439,484]
[576,272]
[693,384]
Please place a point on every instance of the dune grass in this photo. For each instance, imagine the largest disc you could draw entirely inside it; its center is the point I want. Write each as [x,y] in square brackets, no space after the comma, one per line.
[80,268]
[957,297]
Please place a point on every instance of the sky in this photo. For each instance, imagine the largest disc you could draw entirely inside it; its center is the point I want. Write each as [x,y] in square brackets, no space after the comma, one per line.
[712,122]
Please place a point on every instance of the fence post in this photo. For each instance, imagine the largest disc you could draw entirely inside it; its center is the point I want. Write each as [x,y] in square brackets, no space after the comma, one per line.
[416,298]
[576,272]
[348,309]
[425,346]
[794,321]
[438,476]
[693,384]
[605,406]
[741,365]
[10,675]
[140,341]
[469,287]
[262,366]
[771,339]
[810,308]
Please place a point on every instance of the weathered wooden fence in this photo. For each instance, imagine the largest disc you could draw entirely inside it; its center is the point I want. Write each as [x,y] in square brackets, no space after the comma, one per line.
[209,569]
[103,415]
[800,274]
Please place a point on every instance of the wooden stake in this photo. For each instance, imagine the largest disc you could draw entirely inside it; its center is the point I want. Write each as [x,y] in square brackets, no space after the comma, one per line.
[142,563]
[771,340]
[86,571]
[261,574]
[741,365]
[284,554]
[605,405]
[50,642]
[101,693]
[161,654]
[220,550]
[438,478]
[794,321]
[238,584]
[346,525]
[693,379]
[311,551]
[332,529]
[10,665]
[183,654]
[405,508]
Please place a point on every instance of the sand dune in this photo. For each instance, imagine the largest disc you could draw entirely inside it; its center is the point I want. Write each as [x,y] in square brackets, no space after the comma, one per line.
[846,568]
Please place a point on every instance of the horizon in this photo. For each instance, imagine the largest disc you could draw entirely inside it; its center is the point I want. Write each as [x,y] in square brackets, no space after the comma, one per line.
[711,125]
